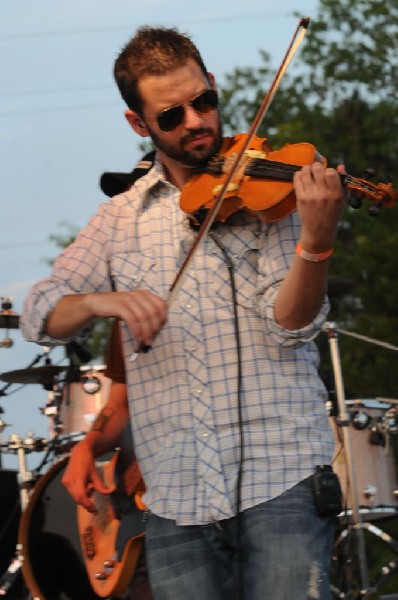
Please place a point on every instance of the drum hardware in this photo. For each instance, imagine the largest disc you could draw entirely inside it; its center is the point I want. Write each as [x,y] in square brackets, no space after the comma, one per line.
[377,436]
[9,519]
[370,491]
[11,375]
[8,320]
[71,406]
[384,572]
[3,424]
[91,384]
[388,401]
[47,376]
[48,529]
[391,417]
[26,480]
[344,424]
[49,544]
[22,447]
[380,431]
[52,410]
[360,419]
[83,398]
[7,342]
[9,577]
[41,375]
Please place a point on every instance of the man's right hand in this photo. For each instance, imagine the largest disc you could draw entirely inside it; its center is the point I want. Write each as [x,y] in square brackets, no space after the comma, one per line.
[144,312]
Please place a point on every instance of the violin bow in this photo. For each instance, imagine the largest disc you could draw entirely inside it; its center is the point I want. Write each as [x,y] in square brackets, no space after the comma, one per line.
[296,40]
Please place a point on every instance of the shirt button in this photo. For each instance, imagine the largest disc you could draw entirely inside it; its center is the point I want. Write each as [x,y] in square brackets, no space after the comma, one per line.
[205,434]
[198,391]
[188,306]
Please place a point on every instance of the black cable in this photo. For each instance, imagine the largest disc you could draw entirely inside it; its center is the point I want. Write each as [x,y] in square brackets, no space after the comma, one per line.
[7,525]
[230,267]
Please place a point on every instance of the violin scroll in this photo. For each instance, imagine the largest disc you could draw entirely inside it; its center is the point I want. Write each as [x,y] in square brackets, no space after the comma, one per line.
[381,195]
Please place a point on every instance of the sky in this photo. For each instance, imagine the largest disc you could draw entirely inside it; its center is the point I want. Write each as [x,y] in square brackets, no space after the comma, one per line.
[62,126]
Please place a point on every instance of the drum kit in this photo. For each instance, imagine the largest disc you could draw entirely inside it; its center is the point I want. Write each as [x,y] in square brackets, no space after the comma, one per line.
[365,461]
[41,557]
[47,548]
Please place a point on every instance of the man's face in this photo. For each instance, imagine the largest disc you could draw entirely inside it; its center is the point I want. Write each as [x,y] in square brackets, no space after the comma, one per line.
[199,135]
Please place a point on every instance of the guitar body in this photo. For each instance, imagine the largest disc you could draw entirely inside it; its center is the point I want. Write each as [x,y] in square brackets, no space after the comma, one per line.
[112,539]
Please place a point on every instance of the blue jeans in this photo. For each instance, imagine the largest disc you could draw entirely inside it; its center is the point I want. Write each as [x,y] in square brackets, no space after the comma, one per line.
[278,550]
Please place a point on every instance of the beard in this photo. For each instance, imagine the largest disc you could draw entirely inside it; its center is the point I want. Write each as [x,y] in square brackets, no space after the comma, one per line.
[189,158]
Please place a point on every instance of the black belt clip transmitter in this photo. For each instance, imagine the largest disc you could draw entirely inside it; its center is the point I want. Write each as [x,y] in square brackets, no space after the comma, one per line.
[327,492]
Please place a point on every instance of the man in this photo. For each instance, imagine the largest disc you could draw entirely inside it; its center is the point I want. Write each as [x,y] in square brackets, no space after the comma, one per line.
[108,431]
[227,408]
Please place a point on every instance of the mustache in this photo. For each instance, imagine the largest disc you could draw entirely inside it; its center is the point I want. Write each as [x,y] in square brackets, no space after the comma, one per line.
[194,134]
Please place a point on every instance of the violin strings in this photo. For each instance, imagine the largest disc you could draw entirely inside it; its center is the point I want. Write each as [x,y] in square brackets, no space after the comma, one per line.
[266,168]
[365,185]
[259,167]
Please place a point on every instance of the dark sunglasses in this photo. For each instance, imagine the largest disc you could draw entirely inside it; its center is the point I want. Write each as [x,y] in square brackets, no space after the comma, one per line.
[172,117]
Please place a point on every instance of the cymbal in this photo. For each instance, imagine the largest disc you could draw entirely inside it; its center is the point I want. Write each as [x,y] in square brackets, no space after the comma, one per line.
[9,321]
[43,375]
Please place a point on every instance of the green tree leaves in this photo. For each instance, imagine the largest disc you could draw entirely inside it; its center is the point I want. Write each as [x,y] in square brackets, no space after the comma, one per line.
[340,94]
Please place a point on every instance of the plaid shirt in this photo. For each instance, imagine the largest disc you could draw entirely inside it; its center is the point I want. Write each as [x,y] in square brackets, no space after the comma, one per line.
[183,393]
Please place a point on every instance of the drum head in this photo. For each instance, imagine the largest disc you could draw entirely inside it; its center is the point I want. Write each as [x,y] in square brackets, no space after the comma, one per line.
[53,565]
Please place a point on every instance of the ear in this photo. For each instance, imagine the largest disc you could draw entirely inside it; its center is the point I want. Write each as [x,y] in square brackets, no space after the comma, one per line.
[136,123]
[212,81]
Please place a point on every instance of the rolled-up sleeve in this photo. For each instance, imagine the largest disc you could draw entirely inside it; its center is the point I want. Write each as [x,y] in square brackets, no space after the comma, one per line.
[83,267]
[274,263]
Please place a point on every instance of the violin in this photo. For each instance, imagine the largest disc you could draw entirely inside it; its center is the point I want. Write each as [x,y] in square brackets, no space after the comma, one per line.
[263,184]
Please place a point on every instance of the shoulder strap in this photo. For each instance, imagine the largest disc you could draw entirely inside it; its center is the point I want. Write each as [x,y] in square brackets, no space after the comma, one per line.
[113,183]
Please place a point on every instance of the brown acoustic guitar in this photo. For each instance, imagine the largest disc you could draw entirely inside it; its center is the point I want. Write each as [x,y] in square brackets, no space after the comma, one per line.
[112,539]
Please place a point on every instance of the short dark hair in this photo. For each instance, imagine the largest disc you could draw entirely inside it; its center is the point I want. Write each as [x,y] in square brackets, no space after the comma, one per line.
[152,51]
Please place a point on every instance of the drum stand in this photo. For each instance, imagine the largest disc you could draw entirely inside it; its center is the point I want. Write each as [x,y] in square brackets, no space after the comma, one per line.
[25,481]
[46,376]
[26,478]
[357,526]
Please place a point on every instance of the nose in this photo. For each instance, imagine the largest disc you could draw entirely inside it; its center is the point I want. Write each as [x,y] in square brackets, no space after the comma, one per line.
[193,119]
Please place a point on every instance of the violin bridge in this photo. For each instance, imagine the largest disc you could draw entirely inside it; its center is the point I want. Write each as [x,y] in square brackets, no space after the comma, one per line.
[231,187]
[251,153]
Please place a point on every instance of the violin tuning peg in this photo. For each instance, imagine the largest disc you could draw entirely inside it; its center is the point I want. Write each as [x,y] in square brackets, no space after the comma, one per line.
[374,209]
[369,173]
[355,200]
